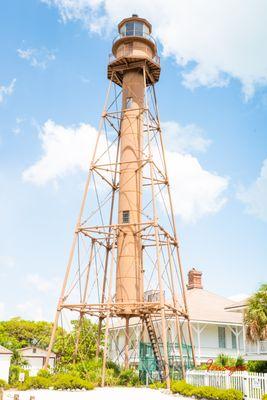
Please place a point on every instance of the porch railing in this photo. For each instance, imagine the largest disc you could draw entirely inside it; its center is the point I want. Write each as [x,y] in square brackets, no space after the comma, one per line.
[259,347]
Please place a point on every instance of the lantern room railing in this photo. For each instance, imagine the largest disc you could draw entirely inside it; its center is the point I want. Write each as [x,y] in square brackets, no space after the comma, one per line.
[132,34]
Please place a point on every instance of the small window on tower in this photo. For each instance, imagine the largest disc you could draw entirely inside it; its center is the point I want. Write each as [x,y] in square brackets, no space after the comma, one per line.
[129,102]
[126,217]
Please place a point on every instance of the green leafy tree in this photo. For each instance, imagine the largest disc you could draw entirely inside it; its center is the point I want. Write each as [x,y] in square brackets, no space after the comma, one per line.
[65,343]
[256,315]
[18,333]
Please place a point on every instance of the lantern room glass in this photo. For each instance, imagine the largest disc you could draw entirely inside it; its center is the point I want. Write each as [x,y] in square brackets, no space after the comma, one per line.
[134,28]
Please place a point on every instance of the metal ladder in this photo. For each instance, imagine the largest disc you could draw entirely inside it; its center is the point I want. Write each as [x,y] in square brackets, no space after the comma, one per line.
[155,346]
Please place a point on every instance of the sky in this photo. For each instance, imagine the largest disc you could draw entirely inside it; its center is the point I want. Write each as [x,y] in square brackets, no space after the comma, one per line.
[212,97]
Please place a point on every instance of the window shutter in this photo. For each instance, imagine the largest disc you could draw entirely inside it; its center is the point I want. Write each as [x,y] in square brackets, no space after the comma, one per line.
[221,337]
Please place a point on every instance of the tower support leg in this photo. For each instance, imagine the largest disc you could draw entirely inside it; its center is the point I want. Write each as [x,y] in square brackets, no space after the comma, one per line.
[176,305]
[77,341]
[108,311]
[158,264]
[105,351]
[174,231]
[127,342]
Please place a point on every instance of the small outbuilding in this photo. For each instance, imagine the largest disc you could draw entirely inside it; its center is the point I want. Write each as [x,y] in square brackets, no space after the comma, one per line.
[35,358]
[5,360]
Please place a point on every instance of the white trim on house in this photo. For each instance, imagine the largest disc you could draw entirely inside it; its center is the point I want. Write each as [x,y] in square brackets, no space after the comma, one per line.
[252,351]
[5,360]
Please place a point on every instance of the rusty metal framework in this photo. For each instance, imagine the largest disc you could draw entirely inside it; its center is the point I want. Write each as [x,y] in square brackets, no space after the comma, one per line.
[89,283]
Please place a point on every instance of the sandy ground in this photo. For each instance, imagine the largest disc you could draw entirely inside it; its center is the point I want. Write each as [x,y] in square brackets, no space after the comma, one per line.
[97,394]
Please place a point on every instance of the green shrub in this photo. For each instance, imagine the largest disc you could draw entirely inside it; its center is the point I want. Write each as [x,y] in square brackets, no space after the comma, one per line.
[35,382]
[223,360]
[3,384]
[257,366]
[44,373]
[182,387]
[58,381]
[91,371]
[111,378]
[114,366]
[128,377]
[14,372]
[158,385]
[240,362]
[68,381]
[264,397]
[205,392]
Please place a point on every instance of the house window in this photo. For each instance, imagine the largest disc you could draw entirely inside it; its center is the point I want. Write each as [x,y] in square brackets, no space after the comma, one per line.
[129,102]
[126,217]
[222,337]
[234,346]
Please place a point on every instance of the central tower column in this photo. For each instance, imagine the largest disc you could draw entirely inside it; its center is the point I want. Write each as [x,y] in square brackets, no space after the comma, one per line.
[133,56]
[129,285]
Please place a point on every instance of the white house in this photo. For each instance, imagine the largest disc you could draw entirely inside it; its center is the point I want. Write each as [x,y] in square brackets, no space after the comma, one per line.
[5,359]
[35,358]
[215,330]
[252,351]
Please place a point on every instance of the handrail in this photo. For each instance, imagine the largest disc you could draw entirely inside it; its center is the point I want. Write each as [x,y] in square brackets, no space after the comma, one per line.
[144,35]
[112,58]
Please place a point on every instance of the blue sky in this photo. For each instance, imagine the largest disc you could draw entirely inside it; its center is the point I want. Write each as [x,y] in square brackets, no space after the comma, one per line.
[213,102]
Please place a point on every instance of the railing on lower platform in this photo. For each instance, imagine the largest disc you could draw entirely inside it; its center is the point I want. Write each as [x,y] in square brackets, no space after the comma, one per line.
[112,58]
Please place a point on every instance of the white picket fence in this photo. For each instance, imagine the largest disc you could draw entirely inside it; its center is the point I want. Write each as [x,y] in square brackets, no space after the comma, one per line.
[252,385]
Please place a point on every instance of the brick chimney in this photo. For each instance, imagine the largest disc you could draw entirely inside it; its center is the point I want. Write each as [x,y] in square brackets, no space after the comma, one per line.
[194,279]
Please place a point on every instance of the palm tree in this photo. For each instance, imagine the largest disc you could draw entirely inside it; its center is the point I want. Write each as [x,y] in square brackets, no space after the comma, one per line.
[256,315]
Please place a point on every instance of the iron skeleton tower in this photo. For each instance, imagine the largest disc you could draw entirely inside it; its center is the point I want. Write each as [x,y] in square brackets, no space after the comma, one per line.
[124,262]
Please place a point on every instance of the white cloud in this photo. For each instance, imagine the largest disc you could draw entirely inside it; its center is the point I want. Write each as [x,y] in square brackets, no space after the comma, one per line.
[195,191]
[77,9]
[65,151]
[41,284]
[39,58]
[31,309]
[255,195]
[211,41]
[186,138]
[7,90]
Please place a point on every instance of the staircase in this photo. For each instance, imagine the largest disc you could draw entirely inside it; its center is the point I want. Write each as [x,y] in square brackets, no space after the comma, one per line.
[155,346]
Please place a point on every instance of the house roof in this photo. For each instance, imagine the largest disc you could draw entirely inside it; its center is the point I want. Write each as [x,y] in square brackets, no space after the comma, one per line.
[204,306]
[210,307]
[37,348]
[3,350]
[238,306]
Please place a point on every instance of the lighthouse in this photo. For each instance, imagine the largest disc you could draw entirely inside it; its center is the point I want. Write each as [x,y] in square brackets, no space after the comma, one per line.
[134,51]
[124,267]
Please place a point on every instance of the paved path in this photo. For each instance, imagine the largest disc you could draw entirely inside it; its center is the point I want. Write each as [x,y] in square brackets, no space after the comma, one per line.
[96,394]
